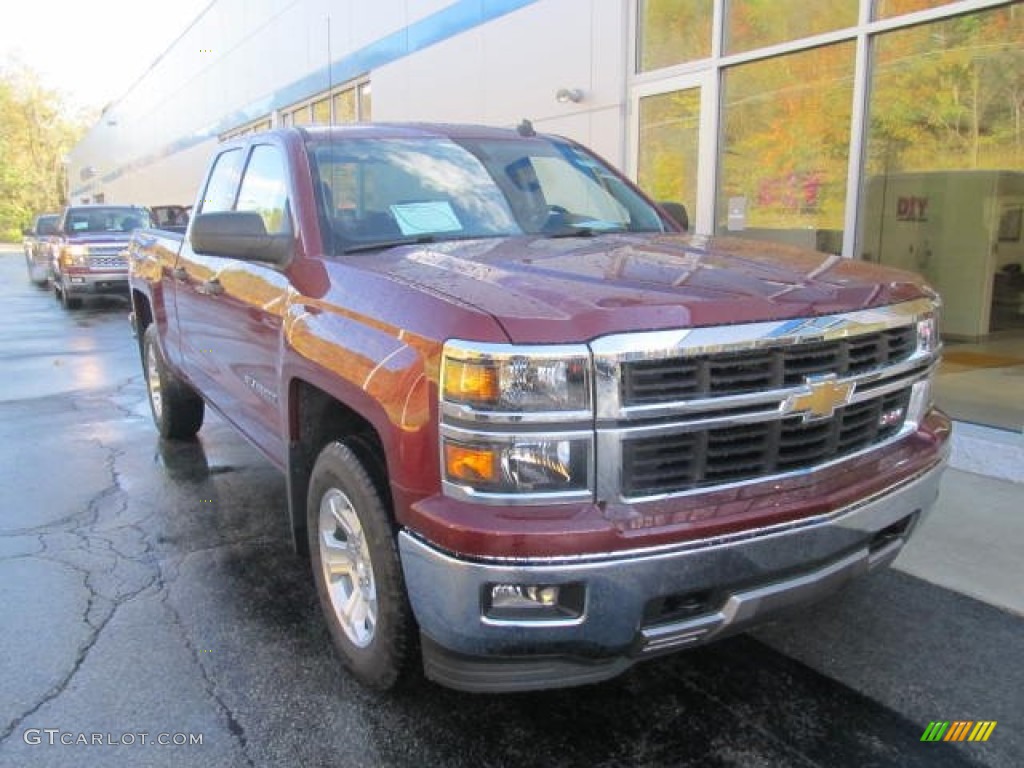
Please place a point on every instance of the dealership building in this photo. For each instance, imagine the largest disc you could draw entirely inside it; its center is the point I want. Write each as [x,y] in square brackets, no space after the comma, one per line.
[886,130]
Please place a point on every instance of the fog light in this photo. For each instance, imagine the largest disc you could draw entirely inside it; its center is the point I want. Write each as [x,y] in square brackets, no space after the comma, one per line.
[534,602]
[519,596]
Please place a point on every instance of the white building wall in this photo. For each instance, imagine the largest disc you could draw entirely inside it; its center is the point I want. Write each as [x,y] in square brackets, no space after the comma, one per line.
[511,69]
[241,59]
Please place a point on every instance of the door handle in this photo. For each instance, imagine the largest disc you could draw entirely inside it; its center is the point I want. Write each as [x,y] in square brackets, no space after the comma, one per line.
[180,273]
[211,287]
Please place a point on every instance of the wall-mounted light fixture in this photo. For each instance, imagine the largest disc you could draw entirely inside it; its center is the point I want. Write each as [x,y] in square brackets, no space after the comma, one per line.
[565,95]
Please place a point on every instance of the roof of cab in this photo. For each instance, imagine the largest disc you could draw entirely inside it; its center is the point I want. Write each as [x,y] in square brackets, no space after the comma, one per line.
[411,130]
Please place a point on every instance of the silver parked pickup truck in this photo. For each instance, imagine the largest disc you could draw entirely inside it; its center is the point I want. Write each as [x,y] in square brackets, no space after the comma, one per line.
[37,252]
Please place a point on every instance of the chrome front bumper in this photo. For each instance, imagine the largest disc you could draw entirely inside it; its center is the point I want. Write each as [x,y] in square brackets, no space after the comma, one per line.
[101,283]
[742,579]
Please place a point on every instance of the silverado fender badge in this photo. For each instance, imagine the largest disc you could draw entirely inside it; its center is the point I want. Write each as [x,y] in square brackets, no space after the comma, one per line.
[822,396]
[260,389]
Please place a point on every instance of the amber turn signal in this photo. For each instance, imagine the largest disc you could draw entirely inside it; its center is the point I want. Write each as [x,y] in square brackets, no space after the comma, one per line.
[466,381]
[470,465]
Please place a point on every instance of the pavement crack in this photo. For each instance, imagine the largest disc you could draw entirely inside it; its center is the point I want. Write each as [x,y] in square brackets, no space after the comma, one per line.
[83,653]
[262,540]
[234,725]
[95,559]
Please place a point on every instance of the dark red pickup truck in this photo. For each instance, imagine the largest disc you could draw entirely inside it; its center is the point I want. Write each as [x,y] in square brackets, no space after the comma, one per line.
[88,250]
[533,432]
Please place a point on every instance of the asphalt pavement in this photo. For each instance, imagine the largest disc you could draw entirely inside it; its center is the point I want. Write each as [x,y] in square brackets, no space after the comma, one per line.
[149,593]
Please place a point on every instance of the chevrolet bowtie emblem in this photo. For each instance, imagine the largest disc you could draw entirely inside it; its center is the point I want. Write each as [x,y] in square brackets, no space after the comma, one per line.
[825,395]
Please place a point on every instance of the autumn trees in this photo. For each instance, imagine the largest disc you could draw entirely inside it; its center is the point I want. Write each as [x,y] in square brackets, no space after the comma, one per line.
[35,133]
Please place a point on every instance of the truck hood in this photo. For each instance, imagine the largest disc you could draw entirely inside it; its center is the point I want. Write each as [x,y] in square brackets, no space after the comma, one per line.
[97,238]
[550,290]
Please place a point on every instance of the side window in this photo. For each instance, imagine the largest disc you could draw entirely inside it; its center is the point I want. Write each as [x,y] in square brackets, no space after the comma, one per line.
[265,189]
[220,190]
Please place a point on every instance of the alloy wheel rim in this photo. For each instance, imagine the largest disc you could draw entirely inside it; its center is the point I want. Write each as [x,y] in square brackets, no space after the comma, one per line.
[347,568]
[153,382]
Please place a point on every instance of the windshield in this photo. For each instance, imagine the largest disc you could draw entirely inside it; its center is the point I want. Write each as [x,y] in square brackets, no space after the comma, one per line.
[375,192]
[106,219]
[47,225]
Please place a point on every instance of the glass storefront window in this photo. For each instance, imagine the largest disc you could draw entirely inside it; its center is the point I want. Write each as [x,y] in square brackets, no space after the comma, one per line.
[785,147]
[365,103]
[345,107]
[753,24]
[885,9]
[945,164]
[669,131]
[322,111]
[672,32]
[943,195]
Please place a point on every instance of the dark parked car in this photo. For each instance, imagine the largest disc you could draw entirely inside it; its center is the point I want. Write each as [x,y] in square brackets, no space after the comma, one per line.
[173,218]
[37,253]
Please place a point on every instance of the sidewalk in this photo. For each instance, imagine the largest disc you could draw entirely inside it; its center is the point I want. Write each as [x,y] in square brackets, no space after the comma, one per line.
[972,542]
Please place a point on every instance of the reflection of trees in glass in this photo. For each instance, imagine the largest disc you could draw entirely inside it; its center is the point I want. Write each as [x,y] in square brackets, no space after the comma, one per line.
[753,24]
[786,138]
[672,31]
[667,165]
[322,111]
[345,106]
[885,9]
[949,95]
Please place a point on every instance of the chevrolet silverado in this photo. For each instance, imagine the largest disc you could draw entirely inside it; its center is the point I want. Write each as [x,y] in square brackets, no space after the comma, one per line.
[532,431]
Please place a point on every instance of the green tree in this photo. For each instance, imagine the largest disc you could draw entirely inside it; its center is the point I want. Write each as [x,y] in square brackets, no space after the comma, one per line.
[36,132]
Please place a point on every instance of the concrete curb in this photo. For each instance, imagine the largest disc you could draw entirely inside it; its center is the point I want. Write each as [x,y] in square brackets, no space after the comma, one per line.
[987,451]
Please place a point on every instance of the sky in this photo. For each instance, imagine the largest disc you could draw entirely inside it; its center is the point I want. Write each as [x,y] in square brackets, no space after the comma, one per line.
[93,50]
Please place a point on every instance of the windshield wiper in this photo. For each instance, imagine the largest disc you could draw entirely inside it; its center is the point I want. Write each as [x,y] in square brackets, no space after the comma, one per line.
[584,231]
[378,244]
[419,240]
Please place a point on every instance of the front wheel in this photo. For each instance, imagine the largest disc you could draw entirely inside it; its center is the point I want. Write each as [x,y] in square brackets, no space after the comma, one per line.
[357,571]
[66,301]
[177,410]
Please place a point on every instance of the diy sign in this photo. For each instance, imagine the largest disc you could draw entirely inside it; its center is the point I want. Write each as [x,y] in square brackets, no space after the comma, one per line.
[911,209]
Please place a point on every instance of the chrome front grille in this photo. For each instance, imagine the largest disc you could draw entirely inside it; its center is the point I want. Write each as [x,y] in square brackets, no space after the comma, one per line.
[107,250]
[707,457]
[107,262]
[682,411]
[732,373]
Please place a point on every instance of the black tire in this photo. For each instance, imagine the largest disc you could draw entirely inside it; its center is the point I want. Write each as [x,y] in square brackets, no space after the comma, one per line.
[377,642]
[68,302]
[177,410]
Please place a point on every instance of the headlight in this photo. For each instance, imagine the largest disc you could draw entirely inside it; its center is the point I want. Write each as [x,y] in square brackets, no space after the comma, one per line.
[928,340]
[516,423]
[506,379]
[74,255]
[508,466]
